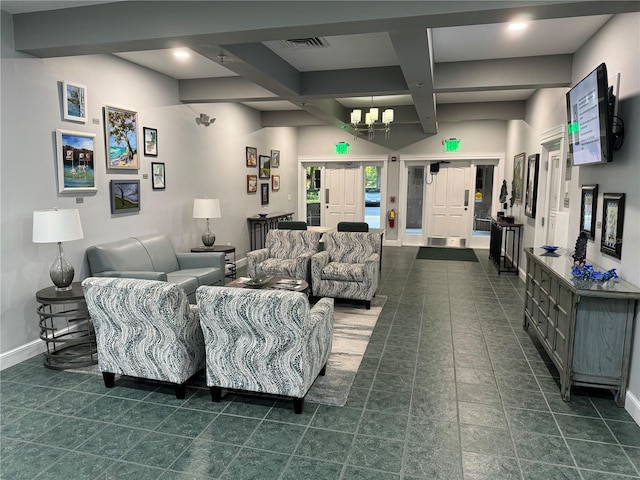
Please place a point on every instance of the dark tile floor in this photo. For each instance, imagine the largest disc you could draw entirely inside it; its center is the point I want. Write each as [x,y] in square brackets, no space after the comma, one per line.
[451,387]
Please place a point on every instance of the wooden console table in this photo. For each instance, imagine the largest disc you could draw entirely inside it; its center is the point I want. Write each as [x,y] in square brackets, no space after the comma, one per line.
[259,226]
[585,329]
[503,236]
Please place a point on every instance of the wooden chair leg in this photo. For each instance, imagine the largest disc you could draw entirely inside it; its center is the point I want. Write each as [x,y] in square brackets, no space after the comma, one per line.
[181,391]
[298,405]
[109,379]
[324,370]
[367,303]
[216,394]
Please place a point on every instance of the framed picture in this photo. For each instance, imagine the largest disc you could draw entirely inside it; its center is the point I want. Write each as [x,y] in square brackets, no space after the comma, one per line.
[588,206]
[150,136]
[275,158]
[76,166]
[252,183]
[531,192]
[157,176]
[74,102]
[121,136]
[612,223]
[264,191]
[264,166]
[252,157]
[275,182]
[125,196]
[518,177]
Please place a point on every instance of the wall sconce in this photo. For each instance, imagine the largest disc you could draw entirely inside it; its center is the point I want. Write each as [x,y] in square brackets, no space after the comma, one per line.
[205,120]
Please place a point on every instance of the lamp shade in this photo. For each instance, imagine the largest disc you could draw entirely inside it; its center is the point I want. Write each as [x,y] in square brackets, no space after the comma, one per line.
[51,226]
[206,208]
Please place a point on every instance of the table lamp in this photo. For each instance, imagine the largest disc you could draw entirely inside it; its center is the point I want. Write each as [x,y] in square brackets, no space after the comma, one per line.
[57,226]
[207,208]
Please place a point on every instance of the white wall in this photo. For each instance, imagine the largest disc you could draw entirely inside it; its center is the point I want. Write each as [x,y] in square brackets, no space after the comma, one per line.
[199,162]
[618,45]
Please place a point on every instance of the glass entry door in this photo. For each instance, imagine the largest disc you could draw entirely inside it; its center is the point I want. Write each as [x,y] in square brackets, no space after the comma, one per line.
[414,216]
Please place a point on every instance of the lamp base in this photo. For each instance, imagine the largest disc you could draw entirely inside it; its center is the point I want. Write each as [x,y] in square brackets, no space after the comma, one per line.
[61,272]
[208,239]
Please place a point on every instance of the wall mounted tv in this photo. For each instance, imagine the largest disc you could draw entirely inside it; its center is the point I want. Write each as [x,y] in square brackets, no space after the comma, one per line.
[590,107]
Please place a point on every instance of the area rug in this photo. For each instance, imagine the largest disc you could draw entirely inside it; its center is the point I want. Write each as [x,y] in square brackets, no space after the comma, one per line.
[446,253]
[352,329]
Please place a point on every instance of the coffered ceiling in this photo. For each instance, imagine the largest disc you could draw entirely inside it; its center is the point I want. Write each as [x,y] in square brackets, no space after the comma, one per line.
[312,62]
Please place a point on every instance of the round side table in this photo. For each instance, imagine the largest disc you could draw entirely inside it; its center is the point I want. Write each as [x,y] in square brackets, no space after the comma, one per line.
[229,262]
[66,328]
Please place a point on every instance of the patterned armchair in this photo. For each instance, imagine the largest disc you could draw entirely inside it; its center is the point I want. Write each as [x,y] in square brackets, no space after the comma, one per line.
[145,329]
[267,341]
[287,253]
[348,267]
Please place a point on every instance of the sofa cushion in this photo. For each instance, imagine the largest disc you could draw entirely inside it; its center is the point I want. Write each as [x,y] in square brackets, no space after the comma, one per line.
[346,272]
[127,254]
[160,251]
[204,276]
[275,266]
[187,282]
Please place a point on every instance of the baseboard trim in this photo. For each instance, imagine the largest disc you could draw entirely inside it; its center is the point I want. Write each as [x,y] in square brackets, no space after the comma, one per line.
[632,405]
[21,353]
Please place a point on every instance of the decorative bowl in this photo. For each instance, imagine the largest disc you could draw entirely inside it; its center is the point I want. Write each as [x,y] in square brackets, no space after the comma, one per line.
[262,215]
[550,248]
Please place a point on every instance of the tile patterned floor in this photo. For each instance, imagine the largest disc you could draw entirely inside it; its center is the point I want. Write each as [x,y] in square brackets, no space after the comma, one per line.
[451,387]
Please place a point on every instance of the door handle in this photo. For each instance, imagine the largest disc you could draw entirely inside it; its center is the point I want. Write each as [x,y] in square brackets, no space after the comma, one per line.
[326,196]
[466,197]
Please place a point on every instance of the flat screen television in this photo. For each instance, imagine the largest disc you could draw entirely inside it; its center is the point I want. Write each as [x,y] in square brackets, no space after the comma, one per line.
[590,115]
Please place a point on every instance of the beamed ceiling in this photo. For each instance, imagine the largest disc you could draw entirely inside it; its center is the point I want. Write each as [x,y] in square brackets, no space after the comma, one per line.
[312,62]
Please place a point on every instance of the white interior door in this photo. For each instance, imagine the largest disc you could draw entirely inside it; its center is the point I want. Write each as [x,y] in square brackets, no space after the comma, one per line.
[554,196]
[449,198]
[343,195]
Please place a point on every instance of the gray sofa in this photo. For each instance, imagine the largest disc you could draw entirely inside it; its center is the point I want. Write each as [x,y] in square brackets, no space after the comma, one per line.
[152,257]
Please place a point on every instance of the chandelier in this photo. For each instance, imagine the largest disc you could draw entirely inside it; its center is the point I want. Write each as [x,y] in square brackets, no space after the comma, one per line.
[371,123]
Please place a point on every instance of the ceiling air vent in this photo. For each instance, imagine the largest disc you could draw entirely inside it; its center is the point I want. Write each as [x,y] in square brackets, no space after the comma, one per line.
[300,43]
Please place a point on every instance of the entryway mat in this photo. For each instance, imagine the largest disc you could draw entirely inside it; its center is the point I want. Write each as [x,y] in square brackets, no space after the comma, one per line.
[445,253]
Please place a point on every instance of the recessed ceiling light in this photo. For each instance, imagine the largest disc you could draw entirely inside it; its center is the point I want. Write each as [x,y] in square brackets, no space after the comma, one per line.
[181,54]
[517,26]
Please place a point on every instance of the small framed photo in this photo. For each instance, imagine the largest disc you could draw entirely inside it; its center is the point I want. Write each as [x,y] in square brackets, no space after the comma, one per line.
[518,177]
[531,192]
[588,206]
[121,137]
[264,191]
[125,196]
[252,156]
[76,165]
[264,166]
[158,181]
[275,158]
[275,182]
[150,136]
[612,223]
[252,183]
[74,102]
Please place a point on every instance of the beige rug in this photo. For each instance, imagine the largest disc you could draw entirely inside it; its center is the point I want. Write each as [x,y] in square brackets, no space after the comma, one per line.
[352,329]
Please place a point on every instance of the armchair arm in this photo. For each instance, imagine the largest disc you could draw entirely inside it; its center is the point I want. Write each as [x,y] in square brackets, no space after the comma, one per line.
[303,265]
[200,260]
[142,275]
[254,258]
[318,262]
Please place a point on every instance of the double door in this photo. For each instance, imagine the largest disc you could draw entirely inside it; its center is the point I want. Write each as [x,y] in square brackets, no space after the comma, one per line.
[438,205]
